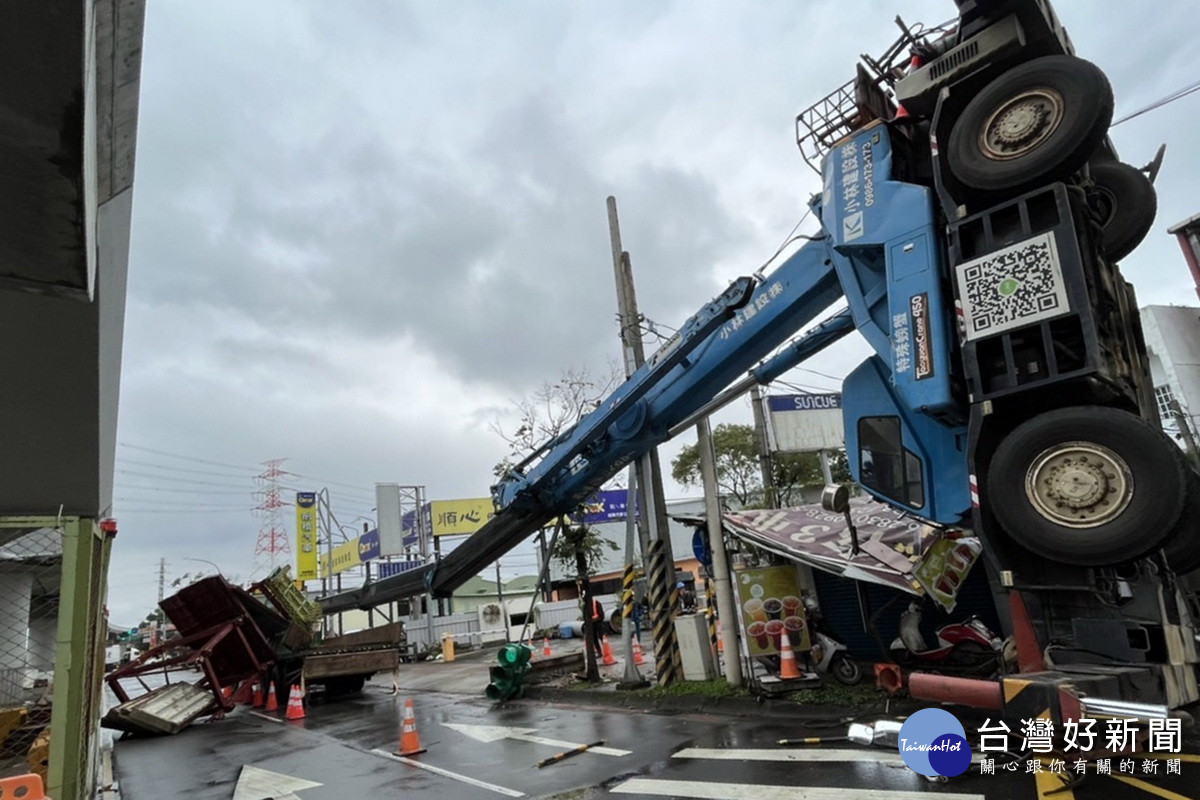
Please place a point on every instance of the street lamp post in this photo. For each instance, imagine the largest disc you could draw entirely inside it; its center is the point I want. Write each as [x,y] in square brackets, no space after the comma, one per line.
[204,561]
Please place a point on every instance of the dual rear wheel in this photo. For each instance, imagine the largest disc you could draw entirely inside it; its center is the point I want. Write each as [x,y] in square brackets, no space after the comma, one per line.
[1042,121]
[1094,486]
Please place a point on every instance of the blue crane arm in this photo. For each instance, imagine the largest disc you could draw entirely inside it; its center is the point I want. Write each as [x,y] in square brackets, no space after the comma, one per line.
[712,349]
[881,251]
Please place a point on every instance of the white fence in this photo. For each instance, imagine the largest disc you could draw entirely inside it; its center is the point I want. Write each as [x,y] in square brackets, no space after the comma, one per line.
[463,626]
[468,631]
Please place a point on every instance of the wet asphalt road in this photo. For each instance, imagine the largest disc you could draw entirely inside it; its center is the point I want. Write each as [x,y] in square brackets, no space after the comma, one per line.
[344,747]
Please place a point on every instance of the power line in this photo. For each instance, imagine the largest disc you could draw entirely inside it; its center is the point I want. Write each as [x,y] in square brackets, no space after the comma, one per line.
[364,494]
[195,504]
[1159,103]
[179,469]
[187,458]
[183,510]
[183,491]
[190,481]
[358,489]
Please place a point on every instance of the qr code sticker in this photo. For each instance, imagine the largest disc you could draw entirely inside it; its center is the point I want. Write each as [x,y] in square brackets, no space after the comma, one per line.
[1011,288]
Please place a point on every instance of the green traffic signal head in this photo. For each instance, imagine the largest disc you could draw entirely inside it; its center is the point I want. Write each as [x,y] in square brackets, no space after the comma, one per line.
[514,655]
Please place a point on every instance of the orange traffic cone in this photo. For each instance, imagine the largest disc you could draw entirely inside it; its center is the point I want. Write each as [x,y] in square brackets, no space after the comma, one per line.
[272,700]
[242,695]
[410,742]
[226,692]
[259,700]
[609,658]
[295,706]
[546,651]
[638,657]
[787,660]
[28,786]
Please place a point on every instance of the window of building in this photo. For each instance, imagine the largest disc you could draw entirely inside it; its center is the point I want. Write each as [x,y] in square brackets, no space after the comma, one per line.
[1163,397]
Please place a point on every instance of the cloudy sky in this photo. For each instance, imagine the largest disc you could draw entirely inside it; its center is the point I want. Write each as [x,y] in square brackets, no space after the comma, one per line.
[363,230]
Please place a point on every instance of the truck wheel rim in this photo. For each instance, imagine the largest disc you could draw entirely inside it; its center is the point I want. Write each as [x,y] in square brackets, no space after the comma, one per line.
[1079,484]
[1021,124]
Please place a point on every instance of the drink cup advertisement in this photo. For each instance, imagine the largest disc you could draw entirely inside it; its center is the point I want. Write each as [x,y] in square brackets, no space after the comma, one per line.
[945,567]
[771,610]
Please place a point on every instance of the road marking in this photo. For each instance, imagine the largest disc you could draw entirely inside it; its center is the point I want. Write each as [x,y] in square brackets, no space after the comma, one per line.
[1052,786]
[1146,786]
[887,757]
[757,791]
[494,733]
[491,787]
[725,754]
[255,783]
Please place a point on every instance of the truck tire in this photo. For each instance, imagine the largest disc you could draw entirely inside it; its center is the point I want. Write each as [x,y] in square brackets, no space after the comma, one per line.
[1128,202]
[1182,548]
[1087,485]
[1038,122]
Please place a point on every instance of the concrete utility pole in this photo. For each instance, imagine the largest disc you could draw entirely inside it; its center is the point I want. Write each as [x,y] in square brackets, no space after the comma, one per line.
[765,464]
[632,679]
[499,599]
[659,560]
[727,610]
[1185,429]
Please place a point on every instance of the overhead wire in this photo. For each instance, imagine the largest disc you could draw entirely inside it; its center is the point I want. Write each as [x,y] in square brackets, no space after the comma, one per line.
[186,457]
[190,481]
[1159,103]
[171,468]
[364,494]
[791,237]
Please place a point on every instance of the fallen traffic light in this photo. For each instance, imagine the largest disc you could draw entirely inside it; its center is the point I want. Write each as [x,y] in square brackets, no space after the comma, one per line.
[507,678]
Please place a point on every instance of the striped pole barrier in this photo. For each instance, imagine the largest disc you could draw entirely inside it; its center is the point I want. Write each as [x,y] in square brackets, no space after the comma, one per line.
[554,759]
[665,649]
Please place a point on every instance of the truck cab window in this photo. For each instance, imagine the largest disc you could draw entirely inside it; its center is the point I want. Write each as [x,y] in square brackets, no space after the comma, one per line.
[885,465]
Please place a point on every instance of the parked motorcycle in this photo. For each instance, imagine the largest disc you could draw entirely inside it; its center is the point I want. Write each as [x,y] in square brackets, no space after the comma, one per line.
[831,657]
[827,654]
[969,643]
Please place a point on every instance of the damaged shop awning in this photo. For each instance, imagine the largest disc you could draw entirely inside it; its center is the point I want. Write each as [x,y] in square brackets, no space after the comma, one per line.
[895,550]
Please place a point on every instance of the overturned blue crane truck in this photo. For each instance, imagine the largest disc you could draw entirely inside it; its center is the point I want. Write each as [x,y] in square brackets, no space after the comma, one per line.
[973,213]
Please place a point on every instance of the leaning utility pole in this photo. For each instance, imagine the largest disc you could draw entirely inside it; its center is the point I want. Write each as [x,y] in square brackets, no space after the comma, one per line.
[660,562]
[727,611]
[765,462]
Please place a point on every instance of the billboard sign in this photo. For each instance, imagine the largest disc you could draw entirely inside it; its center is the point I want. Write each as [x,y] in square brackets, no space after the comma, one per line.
[306,536]
[606,506]
[368,546]
[771,609]
[460,517]
[388,569]
[344,557]
[802,423]
[387,511]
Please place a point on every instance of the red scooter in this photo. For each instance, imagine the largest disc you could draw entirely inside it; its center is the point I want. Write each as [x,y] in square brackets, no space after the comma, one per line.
[969,643]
